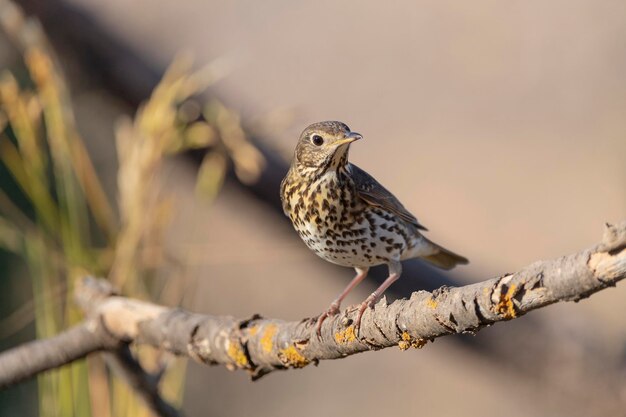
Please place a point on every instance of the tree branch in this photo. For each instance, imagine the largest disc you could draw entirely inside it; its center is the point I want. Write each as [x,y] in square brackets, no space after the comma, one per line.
[261,345]
[38,356]
[144,384]
[32,358]
[121,359]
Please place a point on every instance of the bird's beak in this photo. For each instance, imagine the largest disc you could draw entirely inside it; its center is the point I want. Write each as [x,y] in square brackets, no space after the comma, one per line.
[350,137]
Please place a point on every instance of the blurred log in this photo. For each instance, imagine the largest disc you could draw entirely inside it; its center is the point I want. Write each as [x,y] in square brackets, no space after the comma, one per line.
[128,76]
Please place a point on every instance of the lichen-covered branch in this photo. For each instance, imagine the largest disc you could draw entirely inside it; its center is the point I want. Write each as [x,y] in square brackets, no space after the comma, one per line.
[261,345]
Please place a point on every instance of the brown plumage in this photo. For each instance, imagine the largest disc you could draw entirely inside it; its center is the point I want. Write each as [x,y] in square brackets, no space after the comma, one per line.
[347,217]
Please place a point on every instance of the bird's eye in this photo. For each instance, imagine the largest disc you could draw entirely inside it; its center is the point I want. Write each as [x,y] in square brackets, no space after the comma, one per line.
[317,140]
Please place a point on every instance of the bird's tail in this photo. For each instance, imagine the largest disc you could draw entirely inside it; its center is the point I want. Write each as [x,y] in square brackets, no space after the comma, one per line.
[442,257]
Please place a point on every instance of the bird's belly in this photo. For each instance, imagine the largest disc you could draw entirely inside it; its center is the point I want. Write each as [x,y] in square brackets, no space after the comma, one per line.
[347,247]
[368,239]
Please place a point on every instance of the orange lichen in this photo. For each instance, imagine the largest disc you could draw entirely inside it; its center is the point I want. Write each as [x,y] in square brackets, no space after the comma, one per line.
[408,341]
[345,336]
[267,341]
[506,307]
[432,303]
[291,357]
[236,353]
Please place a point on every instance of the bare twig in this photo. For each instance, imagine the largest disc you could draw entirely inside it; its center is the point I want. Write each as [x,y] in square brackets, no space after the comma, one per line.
[90,336]
[38,356]
[145,384]
[263,345]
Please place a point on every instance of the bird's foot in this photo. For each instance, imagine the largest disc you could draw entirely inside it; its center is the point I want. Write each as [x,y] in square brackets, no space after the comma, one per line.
[333,310]
[369,302]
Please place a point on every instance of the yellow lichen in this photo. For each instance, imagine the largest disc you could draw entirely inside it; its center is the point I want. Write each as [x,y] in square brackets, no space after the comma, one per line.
[291,357]
[253,330]
[237,354]
[432,303]
[418,343]
[408,341]
[345,336]
[506,307]
[267,341]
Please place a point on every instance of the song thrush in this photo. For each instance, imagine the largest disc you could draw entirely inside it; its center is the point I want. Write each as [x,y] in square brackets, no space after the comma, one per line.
[346,217]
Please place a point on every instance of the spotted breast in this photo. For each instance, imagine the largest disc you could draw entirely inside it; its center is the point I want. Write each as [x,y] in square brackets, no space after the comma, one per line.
[340,226]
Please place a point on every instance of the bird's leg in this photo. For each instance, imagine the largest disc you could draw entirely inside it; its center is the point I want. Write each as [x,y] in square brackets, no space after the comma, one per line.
[361,273]
[395,269]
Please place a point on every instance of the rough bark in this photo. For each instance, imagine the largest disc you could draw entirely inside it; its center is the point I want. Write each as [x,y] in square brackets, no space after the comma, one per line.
[261,345]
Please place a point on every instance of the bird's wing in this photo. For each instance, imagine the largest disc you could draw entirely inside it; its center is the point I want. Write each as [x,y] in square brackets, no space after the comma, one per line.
[374,194]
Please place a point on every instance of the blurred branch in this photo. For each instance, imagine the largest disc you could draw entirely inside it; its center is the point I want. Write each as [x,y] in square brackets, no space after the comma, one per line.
[32,358]
[261,345]
[38,356]
[145,384]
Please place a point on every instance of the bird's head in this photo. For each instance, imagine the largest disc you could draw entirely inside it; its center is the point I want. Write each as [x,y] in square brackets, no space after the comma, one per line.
[325,145]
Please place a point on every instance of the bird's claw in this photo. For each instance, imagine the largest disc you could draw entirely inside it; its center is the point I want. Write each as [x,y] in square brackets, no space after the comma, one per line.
[369,302]
[333,310]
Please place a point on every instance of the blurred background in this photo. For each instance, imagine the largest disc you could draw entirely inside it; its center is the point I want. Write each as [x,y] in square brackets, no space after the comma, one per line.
[500,125]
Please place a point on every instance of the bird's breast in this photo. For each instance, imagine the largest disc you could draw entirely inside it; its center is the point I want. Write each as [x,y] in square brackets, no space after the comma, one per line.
[323,204]
[339,226]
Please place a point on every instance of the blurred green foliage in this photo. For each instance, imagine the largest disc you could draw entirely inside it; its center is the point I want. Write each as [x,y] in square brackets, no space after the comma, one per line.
[56,216]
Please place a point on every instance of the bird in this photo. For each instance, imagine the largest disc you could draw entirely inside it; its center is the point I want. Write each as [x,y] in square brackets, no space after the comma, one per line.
[348,218]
